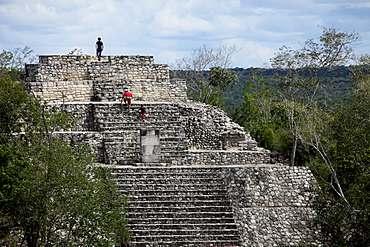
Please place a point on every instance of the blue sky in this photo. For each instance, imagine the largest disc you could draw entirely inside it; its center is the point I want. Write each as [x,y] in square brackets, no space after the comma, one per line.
[171,29]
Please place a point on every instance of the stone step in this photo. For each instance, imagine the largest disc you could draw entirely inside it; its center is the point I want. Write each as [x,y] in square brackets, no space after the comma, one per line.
[187,186]
[137,122]
[199,234]
[136,117]
[168,178]
[159,184]
[172,173]
[198,238]
[118,143]
[177,205]
[134,135]
[135,111]
[201,208]
[121,112]
[183,215]
[187,232]
[184,203]
[185,225]
[132,126]
[170,190]
[185,171]
[168,154]
[152,107]
[180,201]
[181,221]
[135,194]
[132,158]
[166,151]
[175,179]
[173,148]
[133,190]
[188,243]
[167,147]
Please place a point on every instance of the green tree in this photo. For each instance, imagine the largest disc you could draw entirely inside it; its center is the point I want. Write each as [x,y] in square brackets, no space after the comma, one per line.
[202,86]
[261,113]
[51,193]
[12,61]
[304,75]
[220,78]
[344,220]
[13,100]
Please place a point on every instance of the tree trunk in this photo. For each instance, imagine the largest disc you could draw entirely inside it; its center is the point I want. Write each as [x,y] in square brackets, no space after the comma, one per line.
[294,148]
[32,235]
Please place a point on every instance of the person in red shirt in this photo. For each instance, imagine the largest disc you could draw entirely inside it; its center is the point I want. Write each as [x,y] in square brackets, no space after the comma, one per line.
[126,97]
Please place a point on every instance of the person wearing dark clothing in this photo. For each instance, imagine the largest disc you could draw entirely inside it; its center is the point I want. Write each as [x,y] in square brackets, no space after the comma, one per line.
[143,112]
[99,46]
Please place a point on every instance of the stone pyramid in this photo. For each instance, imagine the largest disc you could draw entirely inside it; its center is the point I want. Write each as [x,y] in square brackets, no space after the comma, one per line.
[192,176]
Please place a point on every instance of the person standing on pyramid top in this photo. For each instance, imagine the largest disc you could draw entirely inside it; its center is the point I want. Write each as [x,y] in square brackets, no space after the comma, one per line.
[99,46]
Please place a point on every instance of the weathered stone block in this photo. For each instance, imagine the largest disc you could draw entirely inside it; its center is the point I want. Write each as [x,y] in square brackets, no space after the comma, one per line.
[150,148]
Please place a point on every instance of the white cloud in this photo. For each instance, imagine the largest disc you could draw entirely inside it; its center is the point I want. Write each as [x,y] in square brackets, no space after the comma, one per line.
[251,54]
[170,29]
[169,24]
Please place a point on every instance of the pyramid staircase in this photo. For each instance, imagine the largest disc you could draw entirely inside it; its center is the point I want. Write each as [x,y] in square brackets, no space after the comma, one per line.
[122,131]
[170,204]
[178,206]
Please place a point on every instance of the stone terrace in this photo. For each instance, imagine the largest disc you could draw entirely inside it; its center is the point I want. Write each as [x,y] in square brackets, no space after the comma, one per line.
[208,183]
[68,78]
[189,135]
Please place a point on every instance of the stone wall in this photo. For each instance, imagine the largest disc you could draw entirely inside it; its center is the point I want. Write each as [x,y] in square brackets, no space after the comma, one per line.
[67,78]
[272,204]
[63,91]
[209,128]
[144,90]
[230,157]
